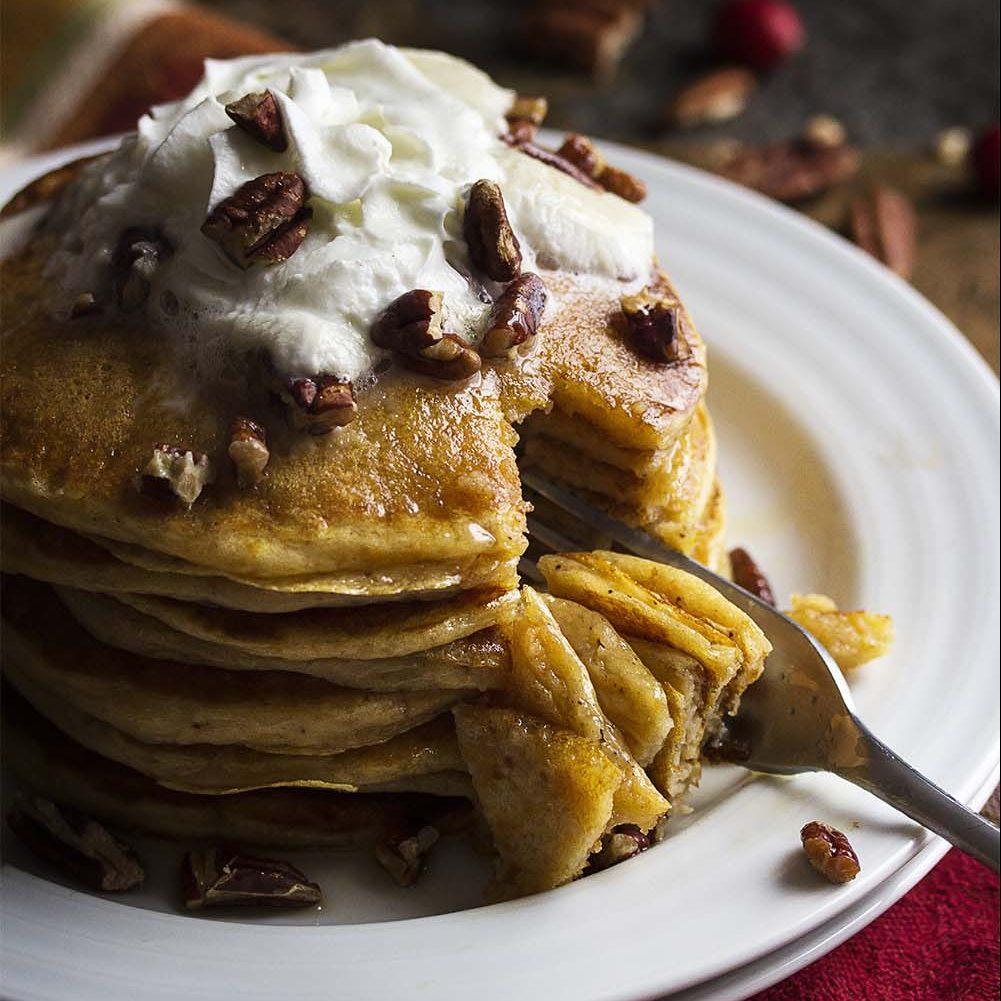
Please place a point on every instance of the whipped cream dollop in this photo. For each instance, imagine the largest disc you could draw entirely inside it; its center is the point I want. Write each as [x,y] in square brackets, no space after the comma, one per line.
[388,142]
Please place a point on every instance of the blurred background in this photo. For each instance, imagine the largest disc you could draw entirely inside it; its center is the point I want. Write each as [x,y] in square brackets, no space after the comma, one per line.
[876,117]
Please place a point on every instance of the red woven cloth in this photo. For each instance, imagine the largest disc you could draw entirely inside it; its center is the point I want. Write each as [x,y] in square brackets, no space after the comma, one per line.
[938,942]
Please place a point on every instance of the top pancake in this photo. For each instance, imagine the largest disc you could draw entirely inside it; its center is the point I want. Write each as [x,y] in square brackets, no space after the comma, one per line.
[425,476]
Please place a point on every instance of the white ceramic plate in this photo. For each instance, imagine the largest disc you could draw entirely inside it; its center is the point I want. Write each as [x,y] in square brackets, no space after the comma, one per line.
[859,448]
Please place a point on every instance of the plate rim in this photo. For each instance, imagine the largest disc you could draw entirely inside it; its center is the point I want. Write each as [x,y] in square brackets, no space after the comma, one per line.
[918,857]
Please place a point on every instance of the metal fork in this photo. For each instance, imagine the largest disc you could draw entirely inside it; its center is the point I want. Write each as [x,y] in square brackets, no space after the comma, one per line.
[799,716]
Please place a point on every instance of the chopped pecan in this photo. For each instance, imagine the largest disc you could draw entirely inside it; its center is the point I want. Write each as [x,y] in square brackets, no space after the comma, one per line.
[824,132]
[714,97]
[139,251]
[75,844]
[322,403]
[176,472]
[85,304]
[248,451]
[792,170]
[515,316]
[410,323]
[623,184]
[524,118]
[403,856]
[547,156]
[583,154]
[592,36]
[829,852]
[223,877]
[883,223]
[655,322]
[622,843]
[260,117]
[265,221]
[449,360]
[493,247]
[747,574]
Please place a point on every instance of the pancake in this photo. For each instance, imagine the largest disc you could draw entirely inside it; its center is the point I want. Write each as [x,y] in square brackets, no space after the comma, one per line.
[629,695]
[65,771]
[479,661]
[423,759]
[165,703]
[367,632]
[550,682]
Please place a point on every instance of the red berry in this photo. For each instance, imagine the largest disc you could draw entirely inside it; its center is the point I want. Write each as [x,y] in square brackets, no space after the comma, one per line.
[760,33]
[984,161]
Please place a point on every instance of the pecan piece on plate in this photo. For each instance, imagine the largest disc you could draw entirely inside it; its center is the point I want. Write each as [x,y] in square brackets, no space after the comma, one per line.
[524,118]
[223,877]
[260,117]
[403,856]
[265,221]
[586,157]
[622,843]
[248,451]
[883,223]
[654,321]
[592,36]
[829,852]
[515,316]
[137,255]
[322,403]
[176,472]
[77,845]
[493,247]
[748,575]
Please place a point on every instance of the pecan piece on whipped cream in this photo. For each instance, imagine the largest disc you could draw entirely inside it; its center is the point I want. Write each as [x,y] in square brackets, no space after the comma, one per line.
[403,855]
[560,163]
[322,403]
[515,316]
[265,221]
[583,154]
[138,253]
[493,247]
[224,877]
[524,118]
[829,852]
[411,327]
[248,451]
[654,321]
[260,117]
[176,472]
[77,845]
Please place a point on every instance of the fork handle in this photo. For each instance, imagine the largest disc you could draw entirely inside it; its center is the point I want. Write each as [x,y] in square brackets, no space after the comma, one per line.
[889,777]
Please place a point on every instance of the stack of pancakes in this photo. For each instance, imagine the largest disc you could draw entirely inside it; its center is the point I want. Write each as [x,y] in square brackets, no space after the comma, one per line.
[285,663]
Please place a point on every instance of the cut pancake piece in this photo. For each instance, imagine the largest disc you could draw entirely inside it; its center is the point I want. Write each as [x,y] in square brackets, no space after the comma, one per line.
[549,681]
[160,702]
[62,770]
[479,661]
[49,552]
[629,695]
[367,632]
[546,794]
[665,605]
[703,649]
[425,759]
